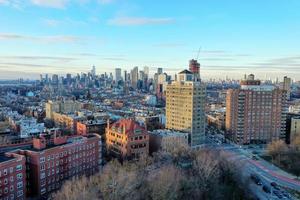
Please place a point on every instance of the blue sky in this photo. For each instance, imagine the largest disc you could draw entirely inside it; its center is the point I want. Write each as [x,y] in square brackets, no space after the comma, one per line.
[236,37]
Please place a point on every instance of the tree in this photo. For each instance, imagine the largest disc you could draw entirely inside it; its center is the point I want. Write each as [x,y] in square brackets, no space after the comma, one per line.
[205,171]
[165,183]
[120,181]
[276,149]
[78,189]
[295,144]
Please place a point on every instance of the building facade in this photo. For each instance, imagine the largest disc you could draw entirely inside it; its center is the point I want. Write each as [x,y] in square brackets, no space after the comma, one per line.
[295,128]
[185,107]
[51,161]
[12,176]
[126,139]
[62,106]
[255,113]
[166,140]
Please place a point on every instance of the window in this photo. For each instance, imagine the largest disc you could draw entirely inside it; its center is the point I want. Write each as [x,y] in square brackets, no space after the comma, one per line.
[19,176]
[11,179]
[42,159]
[20,185]
[11,170]
[20,193]
[18,167]
[5,172]
[43,190]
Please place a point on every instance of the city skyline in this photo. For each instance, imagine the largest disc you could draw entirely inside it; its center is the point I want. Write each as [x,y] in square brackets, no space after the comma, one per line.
[61,36]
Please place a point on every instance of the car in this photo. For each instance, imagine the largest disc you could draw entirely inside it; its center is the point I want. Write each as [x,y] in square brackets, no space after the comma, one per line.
[285,194]
[254,157]
[275,186]
[256,179]
[266,189]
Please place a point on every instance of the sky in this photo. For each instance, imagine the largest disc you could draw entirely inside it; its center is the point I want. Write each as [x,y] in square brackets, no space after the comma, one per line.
[70,36]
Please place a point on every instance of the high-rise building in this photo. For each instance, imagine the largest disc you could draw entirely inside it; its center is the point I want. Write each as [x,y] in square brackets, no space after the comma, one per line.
[126,139]
[55,79]
[185,107]
[294,128]
[287,86]
[255,113]
[118,74]
[146,71]
[93,71]
[159,70]
[134,77]
[194,67]
[155,80]
[125,76]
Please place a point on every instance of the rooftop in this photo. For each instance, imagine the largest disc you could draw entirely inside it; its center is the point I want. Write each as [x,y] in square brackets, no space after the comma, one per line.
[168,133]
[185,72]
[4,158]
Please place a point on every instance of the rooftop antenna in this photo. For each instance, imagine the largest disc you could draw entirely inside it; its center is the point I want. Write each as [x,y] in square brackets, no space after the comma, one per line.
[198,52]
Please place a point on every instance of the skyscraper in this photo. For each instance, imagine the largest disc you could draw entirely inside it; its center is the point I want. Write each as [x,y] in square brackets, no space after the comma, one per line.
[185,107]
[146,71]
[255,113]
[134,77]
[287,86]
[194,67]
[93,71]
[118,74]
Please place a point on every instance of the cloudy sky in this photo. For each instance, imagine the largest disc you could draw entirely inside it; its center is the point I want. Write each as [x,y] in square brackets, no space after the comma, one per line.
[69,36]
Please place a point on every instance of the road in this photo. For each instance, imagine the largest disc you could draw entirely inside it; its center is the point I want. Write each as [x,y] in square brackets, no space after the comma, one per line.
[265,170]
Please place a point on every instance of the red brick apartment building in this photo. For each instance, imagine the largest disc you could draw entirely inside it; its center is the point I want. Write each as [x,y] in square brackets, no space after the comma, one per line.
[91,126]
[12,176]
[126,139]
[52,161]
[255,113]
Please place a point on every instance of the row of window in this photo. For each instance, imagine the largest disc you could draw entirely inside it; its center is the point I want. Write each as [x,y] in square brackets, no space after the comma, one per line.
[5,172]
[70,151]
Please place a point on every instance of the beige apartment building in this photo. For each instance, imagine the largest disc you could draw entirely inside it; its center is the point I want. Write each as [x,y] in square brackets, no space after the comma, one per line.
[295,128]
[68,106]
[185,107]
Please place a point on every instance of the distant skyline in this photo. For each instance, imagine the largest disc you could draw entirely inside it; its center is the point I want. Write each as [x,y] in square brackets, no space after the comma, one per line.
[70,36]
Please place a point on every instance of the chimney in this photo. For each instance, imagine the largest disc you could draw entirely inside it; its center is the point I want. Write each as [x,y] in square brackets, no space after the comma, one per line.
[39,143]
[58,139]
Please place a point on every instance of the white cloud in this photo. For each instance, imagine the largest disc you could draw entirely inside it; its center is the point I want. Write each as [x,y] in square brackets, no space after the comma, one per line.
[4,2]
[135,21]
[47,39]
[14,3]
[63,22]
[50,3]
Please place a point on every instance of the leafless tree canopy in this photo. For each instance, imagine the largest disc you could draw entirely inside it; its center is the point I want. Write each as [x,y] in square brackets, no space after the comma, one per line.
[185,174]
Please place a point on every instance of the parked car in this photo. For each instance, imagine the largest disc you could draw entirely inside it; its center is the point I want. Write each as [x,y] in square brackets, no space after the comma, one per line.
[256,179]
[266,189]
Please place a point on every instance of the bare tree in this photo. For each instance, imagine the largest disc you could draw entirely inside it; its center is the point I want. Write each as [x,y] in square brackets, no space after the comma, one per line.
[165,183]
[78,189]
[276,149]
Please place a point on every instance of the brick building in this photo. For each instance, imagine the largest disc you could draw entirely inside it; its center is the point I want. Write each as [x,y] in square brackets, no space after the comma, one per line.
[126,139]
[255,113]
[12,176]
[91,126]
[51,161]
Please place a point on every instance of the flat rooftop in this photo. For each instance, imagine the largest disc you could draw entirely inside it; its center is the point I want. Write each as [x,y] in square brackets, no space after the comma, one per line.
[4,158]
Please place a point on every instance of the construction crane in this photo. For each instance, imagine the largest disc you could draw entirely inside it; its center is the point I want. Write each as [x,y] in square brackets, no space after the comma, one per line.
[198,53]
